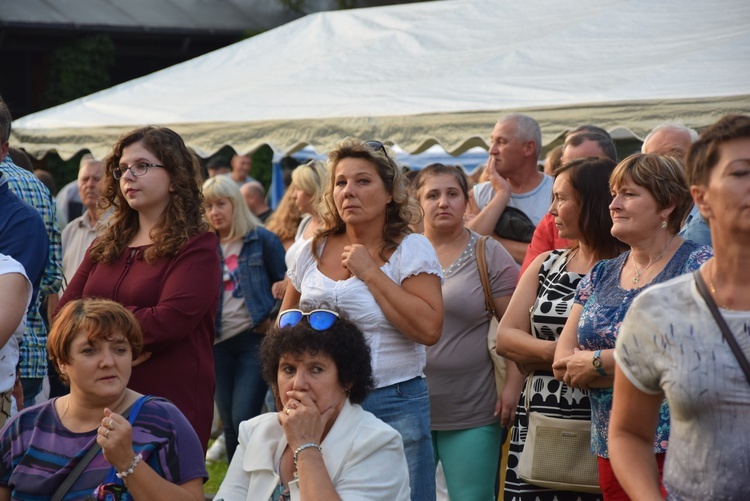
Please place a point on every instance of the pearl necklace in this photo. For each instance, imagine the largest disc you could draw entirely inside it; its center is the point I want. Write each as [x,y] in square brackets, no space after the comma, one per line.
[635,265]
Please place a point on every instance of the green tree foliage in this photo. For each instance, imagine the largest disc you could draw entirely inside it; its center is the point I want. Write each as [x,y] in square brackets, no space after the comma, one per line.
[80,68]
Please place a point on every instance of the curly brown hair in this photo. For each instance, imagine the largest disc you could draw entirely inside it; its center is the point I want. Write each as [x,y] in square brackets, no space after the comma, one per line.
[401,211]
[182,219]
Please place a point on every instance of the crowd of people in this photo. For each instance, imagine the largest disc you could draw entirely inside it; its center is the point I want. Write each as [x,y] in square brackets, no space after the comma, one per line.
[378,327]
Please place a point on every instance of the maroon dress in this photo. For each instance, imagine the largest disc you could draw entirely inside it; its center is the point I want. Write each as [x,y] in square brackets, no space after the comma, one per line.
[175,301]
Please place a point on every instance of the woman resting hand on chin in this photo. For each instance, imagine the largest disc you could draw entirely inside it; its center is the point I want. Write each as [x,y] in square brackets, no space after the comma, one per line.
[93,343]
[321,445]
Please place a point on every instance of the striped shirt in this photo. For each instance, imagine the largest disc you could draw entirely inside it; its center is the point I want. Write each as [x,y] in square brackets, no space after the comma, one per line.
[37,452]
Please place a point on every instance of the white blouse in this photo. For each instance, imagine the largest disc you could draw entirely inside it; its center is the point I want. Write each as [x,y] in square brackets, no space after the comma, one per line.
[395,357]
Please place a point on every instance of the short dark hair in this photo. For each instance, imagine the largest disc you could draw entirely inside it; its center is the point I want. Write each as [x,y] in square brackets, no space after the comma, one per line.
[588,128]
[704,153]
[589,178]
[605,143]
[218,162]
[343,342]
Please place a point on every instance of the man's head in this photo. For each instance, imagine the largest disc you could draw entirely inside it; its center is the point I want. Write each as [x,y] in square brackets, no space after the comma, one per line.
[90,173]
[669,139]
[515,144]
[217,166]
[254,196]
[588,144]
[241,167]
[587,129]
[5,120]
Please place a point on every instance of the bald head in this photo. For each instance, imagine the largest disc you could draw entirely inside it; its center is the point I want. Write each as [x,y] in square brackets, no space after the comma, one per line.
[254,196]
[669,139]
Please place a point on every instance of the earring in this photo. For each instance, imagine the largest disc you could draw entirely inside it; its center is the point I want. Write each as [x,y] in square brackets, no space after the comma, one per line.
[663,225]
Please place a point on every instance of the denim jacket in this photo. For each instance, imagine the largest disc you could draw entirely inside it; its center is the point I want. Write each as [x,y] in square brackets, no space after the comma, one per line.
[260,264]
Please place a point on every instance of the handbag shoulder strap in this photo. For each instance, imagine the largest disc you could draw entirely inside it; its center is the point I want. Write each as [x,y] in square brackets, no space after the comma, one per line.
[484,276]
[725,331]
[76,472]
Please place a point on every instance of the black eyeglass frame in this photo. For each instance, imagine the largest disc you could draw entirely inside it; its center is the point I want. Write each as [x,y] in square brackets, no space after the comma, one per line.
[118,173]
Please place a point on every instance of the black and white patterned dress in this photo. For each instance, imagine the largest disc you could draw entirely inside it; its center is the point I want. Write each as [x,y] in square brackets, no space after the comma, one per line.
[549,396]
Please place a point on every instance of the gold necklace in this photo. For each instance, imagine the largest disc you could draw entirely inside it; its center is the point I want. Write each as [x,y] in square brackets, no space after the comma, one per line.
[713,289]
[635,265]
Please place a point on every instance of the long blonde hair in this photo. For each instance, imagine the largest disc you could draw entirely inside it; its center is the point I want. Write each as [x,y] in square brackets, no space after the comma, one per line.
[243,221]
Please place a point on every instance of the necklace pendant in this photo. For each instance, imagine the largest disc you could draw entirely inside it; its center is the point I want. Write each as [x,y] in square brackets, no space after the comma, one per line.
[635,279]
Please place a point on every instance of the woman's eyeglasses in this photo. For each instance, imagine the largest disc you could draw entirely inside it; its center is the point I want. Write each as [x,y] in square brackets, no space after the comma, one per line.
[319,320]
[138,169]
[377,146]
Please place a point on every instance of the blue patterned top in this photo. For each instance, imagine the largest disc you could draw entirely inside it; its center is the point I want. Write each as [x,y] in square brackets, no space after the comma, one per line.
[33,362]
[604,306]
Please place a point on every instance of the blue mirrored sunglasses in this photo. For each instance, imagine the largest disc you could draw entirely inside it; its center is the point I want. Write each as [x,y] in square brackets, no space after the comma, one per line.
[319,320]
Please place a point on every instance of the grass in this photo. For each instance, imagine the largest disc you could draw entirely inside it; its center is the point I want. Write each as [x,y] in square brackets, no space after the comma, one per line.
[216,472]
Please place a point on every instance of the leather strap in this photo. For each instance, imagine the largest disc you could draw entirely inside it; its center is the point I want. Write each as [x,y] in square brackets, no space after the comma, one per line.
[484,277]
[728,336]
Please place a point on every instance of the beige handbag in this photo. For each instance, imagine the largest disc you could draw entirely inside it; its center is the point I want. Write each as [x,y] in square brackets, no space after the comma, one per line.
[557,452]
[498,362]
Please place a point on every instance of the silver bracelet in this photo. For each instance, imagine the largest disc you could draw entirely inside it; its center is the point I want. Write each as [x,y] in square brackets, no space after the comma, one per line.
[129,471]
[302,448]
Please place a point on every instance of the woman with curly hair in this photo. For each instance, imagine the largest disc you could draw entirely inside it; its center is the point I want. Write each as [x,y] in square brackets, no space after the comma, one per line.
[365,262]
[321,444]
[155,246]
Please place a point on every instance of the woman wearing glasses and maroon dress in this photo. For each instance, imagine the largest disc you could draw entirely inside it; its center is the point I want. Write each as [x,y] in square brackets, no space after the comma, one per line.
[156,247]
[365,263]
[321,444]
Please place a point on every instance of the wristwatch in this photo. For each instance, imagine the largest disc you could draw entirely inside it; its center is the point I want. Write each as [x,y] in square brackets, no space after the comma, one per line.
[597,362]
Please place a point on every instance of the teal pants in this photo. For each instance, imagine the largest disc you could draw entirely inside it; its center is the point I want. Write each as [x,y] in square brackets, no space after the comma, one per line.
[470,461]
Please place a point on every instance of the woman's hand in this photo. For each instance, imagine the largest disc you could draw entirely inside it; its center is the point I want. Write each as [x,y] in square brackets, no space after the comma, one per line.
[302,421]
[115,435]
[358,260]
[579,369]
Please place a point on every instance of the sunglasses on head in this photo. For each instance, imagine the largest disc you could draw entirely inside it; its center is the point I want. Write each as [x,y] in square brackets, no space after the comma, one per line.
[377,146]
[319,320]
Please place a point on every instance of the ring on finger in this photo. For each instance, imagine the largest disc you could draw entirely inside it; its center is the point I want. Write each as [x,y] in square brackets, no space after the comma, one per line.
[106,434]
[110,424]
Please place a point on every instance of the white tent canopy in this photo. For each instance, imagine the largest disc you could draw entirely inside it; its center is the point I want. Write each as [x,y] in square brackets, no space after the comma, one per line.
[426,73]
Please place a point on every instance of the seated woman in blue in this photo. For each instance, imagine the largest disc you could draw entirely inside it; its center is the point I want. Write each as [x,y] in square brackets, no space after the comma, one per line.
[146,443]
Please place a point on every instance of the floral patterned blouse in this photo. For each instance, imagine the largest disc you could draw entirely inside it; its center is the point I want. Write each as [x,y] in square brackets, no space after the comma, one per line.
[604,306]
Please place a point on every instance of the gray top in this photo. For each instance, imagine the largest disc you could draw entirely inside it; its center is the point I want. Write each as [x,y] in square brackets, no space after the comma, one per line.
[670,343]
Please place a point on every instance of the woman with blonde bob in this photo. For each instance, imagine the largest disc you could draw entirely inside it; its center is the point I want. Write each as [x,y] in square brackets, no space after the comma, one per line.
[148,259]
[650,199]
[365,262]
[252,260]
[147,442]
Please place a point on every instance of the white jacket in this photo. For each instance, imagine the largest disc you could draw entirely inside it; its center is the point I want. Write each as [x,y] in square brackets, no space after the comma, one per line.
[363,455]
